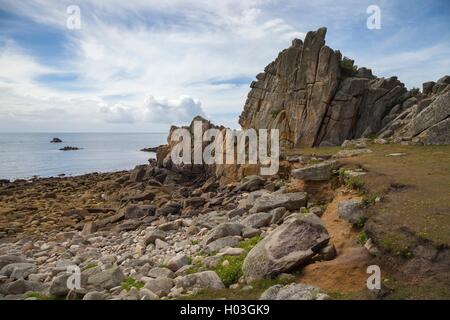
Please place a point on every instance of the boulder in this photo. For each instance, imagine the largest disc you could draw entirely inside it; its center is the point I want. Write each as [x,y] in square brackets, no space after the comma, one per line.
[316,172]
[94,295]
[9,259]
[223,230]
[221,243]
[170,208]
[160,286]
[107,279]
[288,247]
[200,280]
[351,210]
[294,291]
[177,262]
[160,272]
[194,202]
[290,201]
[257,220]
[18,270]
[151,236]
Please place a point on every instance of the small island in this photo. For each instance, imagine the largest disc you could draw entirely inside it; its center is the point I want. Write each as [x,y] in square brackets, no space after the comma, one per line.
[56,140]
[68,148]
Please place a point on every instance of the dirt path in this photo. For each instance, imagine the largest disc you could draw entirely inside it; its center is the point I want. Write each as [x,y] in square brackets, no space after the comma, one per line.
[346,273]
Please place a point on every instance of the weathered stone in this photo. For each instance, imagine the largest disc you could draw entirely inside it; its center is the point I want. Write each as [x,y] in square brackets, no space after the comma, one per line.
[294,291]
[151,236]
[223,230]
[159,272]
[289,246]
[160,286]
[315,172]
[137,175]
[201,280]
[168,209]
[218,244]
[177,262]
[18,270]
[94,295]
[146,294]
[107,279]
[89,228]
[9,259]
[257,220]
[194,202]
[351,210]
[139,211]
[290,201]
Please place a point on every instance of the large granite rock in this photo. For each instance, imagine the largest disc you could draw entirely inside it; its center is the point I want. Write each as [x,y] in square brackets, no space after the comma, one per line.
[289,246]
[315,97]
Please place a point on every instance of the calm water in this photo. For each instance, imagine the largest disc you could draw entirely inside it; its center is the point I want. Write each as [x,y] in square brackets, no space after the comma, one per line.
[25,155]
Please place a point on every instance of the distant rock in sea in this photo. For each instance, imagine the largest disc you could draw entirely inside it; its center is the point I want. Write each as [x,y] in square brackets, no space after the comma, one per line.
[68,148]
[56,140]
[151,149]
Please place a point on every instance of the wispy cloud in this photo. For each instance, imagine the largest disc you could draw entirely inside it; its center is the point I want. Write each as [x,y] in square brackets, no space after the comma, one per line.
[200,55]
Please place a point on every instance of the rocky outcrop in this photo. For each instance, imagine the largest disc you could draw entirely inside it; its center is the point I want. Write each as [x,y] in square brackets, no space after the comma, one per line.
[427,121]
[317,98]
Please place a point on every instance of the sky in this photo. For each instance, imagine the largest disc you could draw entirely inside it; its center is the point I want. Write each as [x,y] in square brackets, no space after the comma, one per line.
[143,65]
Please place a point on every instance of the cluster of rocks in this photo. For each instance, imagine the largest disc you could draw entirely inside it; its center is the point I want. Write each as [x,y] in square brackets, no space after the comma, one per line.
[141,235]
[317,98]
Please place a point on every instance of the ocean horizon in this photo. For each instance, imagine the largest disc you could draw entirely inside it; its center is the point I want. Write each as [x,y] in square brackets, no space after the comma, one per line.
[28,155]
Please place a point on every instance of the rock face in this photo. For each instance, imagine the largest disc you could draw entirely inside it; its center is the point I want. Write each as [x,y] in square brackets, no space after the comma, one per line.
[427,121]
[317,98]
[289,246]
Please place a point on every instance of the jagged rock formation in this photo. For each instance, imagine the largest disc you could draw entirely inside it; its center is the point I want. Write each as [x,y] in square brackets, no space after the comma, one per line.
[427,121]
[317,98]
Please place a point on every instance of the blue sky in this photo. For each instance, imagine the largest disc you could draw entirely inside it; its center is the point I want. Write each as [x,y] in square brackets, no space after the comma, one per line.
[143,65]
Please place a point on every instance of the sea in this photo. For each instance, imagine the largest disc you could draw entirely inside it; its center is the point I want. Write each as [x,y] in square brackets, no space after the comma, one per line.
[28,155]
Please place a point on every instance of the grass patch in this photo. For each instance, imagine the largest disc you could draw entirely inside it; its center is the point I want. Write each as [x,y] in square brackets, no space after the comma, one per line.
[395,243]
[131,282]
[40,296]
[362,238]
[248,244]
[231,272]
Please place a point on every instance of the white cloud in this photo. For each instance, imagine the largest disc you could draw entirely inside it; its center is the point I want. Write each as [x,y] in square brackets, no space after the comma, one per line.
[118,114]
[126,49]
[172,111]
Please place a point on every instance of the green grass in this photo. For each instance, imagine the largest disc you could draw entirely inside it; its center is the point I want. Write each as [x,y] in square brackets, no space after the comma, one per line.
[248,244]
[362,238]
[40,296]
[230,273]
[131,282]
